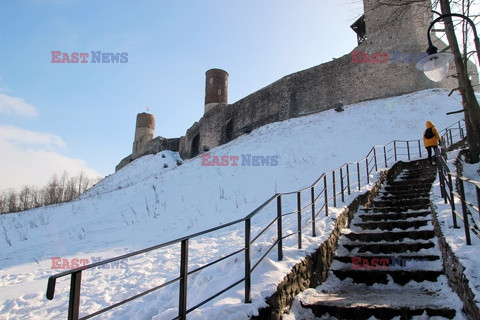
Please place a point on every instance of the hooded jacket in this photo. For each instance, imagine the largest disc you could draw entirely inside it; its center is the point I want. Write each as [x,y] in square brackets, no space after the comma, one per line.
[432,142]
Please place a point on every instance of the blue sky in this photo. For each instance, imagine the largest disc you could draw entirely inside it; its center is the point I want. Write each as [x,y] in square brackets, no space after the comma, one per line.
[59,116]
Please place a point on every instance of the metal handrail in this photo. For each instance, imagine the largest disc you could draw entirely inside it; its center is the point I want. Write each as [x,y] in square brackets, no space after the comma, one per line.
[325,185]
[449,194]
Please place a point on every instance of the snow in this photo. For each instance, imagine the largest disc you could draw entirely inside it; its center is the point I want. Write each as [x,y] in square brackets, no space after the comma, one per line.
[154,200]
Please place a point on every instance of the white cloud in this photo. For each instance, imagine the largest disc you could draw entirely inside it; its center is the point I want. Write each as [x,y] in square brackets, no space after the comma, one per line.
[18,106]
[30,158]
[27,137]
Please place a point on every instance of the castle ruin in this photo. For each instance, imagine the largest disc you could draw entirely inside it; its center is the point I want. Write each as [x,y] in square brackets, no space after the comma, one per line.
[381,29]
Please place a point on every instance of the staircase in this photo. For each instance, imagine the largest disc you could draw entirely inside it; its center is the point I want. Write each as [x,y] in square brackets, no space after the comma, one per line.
[388,264]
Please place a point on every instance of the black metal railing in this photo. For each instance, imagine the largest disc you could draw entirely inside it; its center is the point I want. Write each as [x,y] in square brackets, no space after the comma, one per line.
[452,187]
[326,191]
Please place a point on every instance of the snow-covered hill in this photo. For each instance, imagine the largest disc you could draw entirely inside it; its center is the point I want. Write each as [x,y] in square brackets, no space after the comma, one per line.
[154,199]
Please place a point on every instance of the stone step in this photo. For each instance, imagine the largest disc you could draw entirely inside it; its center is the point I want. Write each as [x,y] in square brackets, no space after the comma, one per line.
[390,236]
[404,196]
[400,193]
[381,304]
[389,248]
[393,216]
[401,277]
[409,183]
[390,225]
[392,260]
[397,209]
[394,202]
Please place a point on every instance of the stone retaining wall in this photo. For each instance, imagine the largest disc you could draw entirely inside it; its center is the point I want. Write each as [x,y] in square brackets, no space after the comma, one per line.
[313,269]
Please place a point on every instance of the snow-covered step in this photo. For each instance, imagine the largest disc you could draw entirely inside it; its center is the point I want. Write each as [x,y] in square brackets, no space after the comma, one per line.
[391,225]
[381,304]
[401,247]
[393,216]
[398,276]
[390,236]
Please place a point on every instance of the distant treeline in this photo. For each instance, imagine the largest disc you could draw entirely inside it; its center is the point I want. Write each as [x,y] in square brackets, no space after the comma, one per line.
[58,189]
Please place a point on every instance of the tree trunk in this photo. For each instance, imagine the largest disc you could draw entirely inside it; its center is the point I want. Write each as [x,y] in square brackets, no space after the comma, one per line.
[471,107]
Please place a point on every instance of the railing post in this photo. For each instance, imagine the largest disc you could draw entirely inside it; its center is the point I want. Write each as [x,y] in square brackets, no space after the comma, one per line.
[478,199]
[464,210]
[299,218]
[348,179]
[248,280]
[341,184]
[182,305]
[419,149]
[408,150]
[375,157]
[334,189]
[452,200]
[74,301]
[314,232]
[395,149]
[279,229]
[443,190]
[368,172]
[385,155]
[460,130]
[325,189]
[451,137]
[358,176]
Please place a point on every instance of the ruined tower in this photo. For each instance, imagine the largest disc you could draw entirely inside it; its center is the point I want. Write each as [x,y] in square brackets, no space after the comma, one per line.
[398,27]
[216,88]
[144,132]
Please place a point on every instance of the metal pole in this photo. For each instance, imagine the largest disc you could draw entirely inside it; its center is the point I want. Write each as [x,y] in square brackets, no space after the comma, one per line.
[348,179]
[279,228]
[314,232]
[248,280]
[341,184]
[395,149]
[299,219]
[452,200]
[74,301]
[368,172]
[325,189]
[334,190]
[478,199]
[375,157]
[464,210]
[385,155]
[408,150]
[358,175]
[182,305]
[419,149]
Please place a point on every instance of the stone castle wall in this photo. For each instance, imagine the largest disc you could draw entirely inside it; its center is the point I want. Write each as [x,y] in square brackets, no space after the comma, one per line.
[323,87]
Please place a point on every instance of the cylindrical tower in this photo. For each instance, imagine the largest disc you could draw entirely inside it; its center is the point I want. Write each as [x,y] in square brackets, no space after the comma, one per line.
[144,132]
[216,88]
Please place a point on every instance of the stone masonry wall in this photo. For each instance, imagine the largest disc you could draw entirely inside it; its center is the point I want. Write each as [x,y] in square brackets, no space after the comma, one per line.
[313,269]
[324,86]
[454,271]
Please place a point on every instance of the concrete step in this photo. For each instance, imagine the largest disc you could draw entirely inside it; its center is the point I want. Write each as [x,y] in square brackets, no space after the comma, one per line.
[393,216]
[388,248]
[389,261]
[390,236]
[390,225]
[397,209]
[404,193]
[381,304]
[401,277]
[395,202]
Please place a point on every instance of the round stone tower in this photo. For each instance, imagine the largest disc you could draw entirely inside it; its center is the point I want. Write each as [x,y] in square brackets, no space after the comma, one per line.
[144,131]
[216,88]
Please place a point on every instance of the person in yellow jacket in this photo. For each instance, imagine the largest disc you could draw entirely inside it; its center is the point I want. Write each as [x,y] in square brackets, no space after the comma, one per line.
[431,140]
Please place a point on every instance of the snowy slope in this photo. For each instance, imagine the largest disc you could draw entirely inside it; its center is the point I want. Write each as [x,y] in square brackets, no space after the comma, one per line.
[147,203]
